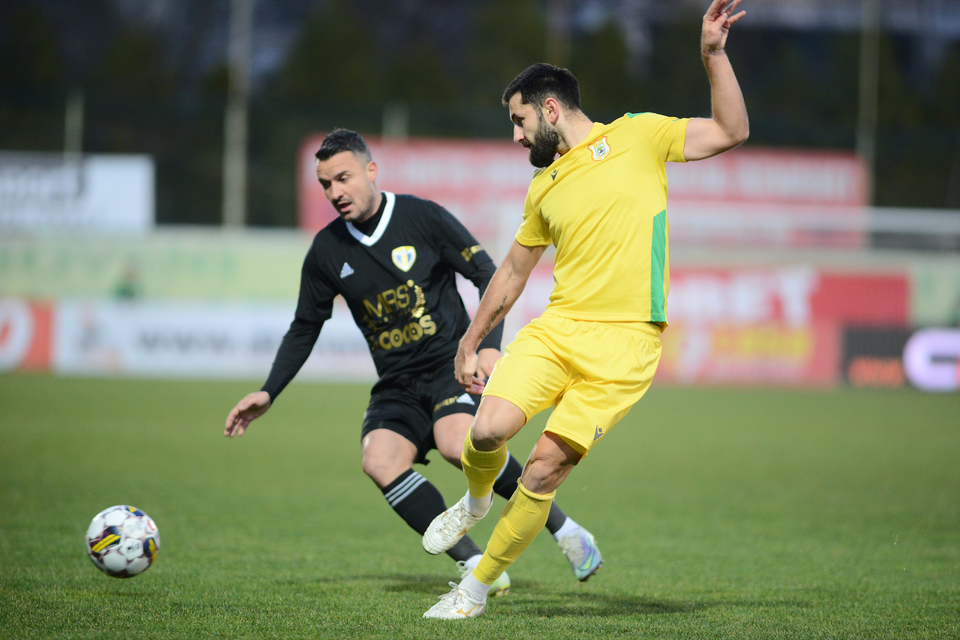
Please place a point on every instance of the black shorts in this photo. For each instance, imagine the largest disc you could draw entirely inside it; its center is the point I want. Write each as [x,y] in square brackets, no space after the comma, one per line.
[412,404]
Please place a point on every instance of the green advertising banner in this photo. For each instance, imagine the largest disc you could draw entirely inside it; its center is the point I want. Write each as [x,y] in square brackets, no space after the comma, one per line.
[168,264]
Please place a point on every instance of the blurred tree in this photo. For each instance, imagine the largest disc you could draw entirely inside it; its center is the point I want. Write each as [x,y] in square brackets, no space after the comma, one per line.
[913,154]
[677,83]
[600,60]
[334,60]
[32,82]
[899,103]
[945,101]
[332,76]
[133,66]
[418,75]
[30,50]
[153,90]
[945,109]
[136,103]
[509,36]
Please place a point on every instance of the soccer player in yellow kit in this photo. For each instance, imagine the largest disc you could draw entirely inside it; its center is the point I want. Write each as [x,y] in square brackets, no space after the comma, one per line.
[593,352]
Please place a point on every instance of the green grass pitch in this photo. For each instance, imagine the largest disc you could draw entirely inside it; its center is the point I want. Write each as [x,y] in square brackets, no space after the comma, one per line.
[721,513]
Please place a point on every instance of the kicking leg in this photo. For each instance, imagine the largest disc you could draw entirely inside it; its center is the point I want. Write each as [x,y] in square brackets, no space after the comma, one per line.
[550,463]
[449,434]
[577,544]
[483,458]
[522,519]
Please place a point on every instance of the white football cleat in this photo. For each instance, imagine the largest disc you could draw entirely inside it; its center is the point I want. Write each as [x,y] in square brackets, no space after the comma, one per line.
[456,605]
[449,527]
[582,552]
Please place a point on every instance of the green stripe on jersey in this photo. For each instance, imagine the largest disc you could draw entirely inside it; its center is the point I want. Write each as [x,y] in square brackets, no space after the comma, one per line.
[658,260]
[634,115]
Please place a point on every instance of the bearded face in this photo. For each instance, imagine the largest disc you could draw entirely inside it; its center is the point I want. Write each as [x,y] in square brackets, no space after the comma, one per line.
[545,145]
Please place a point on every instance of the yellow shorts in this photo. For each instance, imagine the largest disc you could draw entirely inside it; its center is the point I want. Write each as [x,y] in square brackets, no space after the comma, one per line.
[592,371]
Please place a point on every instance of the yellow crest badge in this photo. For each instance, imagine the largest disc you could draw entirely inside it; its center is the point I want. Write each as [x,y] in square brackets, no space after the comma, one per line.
[404,257]
[600,149]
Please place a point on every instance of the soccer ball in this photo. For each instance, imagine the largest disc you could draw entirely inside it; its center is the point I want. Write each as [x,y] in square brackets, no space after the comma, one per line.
[122,541]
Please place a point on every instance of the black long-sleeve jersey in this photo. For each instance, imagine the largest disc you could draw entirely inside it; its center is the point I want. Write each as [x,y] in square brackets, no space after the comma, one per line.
[399,284]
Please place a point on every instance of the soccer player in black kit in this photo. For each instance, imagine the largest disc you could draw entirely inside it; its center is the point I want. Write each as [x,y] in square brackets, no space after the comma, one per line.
[394,259]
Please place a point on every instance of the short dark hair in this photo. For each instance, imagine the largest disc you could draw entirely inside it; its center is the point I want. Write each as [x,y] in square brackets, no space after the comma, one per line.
[540,81]
[340,140]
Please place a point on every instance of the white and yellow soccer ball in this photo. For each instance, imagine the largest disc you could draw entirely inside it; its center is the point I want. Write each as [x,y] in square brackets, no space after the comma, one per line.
[122,541]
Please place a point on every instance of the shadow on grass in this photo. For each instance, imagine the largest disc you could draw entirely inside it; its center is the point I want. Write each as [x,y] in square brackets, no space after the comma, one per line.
[567,604]
[532,598]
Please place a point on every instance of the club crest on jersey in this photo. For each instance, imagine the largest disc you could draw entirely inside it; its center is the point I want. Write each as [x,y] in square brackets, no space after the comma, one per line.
[404,257]
[600,149]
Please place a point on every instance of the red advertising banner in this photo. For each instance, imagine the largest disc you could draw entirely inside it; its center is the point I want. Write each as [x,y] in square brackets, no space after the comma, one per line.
[749,196]
[772,325]
[769,325]
[784,176]
[25,335]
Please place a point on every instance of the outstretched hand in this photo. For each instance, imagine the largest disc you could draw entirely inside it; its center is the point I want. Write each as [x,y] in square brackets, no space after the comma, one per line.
[716,25]
[247,410]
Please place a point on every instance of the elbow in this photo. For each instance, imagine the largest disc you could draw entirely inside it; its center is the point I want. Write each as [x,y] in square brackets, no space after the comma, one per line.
[744,133]
[736,138]
[737,135]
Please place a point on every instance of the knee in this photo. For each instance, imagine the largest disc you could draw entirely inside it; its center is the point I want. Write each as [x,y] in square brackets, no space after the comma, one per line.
[381,468]
[485,436]
[497,421]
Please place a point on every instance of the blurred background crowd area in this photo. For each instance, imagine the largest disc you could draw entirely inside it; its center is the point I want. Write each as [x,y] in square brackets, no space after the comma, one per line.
[155,78]
[158,189]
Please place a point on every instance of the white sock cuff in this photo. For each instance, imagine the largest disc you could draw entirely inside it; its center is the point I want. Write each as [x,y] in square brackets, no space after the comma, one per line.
[472,562]
[478,506]
[477,590]
[569,527]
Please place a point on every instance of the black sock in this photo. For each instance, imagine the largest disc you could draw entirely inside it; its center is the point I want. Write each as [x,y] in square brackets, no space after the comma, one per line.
[418,502]
[506,484]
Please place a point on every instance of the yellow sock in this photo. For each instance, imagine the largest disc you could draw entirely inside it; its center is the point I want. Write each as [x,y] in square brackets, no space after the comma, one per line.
[520,522]
[481,467]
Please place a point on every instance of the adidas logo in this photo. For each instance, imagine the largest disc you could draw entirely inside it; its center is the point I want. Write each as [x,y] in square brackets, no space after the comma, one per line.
[346,271]
[465,399]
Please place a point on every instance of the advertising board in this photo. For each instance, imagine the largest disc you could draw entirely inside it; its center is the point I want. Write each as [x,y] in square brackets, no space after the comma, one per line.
[931,359]
[62,193]
[771,325]
[768,325]
[873,356]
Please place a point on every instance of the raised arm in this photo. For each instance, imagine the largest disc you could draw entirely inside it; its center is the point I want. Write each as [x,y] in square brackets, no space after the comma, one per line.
[728,127]
[504,289]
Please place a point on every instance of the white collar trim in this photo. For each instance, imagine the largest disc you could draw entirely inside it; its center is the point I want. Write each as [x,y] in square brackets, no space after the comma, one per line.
[384,221]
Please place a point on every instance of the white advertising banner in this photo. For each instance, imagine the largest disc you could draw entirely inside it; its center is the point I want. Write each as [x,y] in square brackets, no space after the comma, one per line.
[931,359]
[197,340]
[60,193]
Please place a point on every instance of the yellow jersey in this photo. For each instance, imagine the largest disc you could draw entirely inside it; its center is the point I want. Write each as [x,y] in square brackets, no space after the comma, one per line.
[603,205]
